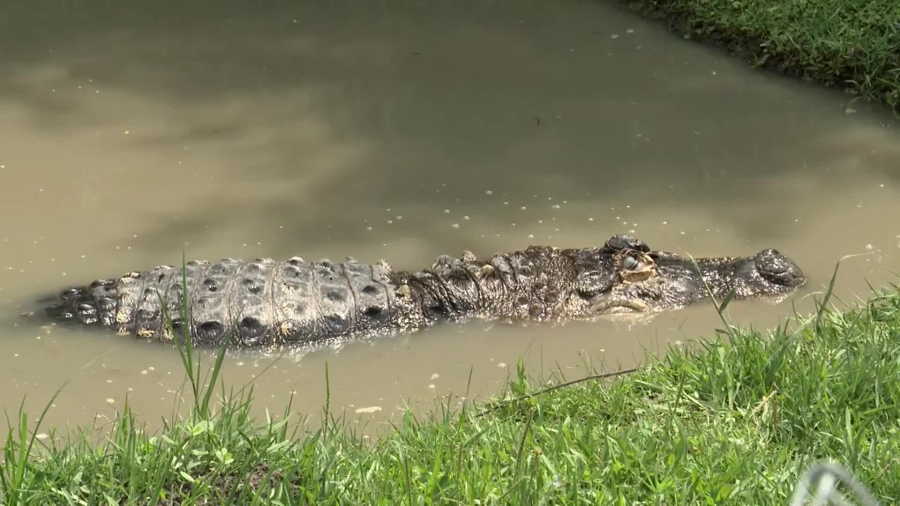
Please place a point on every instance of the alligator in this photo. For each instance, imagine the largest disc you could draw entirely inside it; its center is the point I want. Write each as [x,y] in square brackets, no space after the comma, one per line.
[265,303]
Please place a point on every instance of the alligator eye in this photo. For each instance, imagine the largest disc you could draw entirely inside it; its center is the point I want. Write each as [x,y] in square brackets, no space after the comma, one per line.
[630,263]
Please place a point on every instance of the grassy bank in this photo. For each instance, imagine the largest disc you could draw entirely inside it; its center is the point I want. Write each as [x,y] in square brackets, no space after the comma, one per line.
[734,420]
[852,44]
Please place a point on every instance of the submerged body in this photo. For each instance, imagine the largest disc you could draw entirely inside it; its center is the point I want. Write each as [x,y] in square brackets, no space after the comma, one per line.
[268,303]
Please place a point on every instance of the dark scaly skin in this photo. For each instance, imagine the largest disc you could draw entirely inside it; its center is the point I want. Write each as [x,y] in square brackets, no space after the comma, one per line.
[264,303]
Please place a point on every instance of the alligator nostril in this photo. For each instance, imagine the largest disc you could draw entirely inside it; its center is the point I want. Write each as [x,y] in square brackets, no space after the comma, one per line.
[779,269]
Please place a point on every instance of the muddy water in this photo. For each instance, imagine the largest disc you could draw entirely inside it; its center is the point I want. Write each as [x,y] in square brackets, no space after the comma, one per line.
[401,130]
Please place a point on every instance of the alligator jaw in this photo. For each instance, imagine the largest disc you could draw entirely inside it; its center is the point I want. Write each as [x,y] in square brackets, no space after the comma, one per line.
[600,307]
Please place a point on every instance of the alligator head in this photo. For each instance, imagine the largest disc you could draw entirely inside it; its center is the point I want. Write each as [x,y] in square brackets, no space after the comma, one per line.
[627,276]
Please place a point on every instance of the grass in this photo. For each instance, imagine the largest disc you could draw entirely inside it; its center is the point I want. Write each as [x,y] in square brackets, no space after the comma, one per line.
[852,44]
[734,419]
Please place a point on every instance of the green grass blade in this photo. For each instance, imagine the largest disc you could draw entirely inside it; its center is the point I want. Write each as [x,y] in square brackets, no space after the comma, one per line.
[217,367]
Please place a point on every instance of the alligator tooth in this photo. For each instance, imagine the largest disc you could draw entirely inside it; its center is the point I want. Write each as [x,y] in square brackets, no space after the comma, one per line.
[145,333]
[285,329]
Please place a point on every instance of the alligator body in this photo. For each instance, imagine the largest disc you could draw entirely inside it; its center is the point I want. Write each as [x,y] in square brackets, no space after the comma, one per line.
[268,303]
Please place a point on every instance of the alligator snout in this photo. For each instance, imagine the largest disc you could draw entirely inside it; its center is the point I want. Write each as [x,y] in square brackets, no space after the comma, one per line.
[779,269]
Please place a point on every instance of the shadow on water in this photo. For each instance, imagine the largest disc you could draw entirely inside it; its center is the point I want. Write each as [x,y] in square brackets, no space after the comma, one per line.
[421,92]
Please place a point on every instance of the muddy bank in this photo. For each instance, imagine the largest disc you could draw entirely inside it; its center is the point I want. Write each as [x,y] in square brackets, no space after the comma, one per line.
[828,42]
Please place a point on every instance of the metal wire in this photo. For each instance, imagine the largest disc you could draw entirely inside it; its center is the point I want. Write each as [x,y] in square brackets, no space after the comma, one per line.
[825,476]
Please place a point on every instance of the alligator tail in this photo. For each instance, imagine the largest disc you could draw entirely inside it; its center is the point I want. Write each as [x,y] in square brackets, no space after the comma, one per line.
[89,305]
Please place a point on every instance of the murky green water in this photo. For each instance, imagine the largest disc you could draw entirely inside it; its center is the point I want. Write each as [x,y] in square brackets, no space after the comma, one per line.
[401,130]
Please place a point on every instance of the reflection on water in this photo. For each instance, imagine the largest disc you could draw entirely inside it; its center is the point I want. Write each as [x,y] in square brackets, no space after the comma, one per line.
[402,132]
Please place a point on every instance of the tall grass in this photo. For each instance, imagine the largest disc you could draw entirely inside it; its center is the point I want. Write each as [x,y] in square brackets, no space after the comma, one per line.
[202,388]
[735,419]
